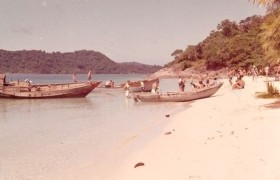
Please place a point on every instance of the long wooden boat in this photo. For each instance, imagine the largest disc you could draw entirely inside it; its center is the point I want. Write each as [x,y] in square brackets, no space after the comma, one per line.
[135,86]
[177,96]
[24,90]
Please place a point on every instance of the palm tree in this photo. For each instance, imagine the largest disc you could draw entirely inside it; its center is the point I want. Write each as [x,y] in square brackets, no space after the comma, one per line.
[270,36]
[268,3]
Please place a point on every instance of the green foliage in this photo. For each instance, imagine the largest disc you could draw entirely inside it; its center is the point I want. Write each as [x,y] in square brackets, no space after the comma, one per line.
[231,45]
[228,28]
[272,91]
[198,64]
[270,4]
[270,36]
[63,63]
[185,65]
[177,52]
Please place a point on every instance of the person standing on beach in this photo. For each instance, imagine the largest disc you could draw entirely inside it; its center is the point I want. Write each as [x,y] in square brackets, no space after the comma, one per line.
[74,77]
[126,88]
[266,70]
[230,75]
[241,72]
[277,72]
[89,75]
[181,84]
[254,72]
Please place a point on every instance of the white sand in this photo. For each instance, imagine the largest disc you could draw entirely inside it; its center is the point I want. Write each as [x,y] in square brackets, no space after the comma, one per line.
[230,136]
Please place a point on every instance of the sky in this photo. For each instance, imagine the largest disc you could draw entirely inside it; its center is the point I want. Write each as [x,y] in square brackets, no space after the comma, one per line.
[145,31]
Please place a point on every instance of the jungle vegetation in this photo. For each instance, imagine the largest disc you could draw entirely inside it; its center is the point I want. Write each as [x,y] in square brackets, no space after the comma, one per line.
[254,40]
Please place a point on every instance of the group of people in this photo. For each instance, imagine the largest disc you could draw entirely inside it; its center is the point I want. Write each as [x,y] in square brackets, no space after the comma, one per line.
[202,83]
[255,71]
[89,76]
[109,84]
[204,80]
[239,83]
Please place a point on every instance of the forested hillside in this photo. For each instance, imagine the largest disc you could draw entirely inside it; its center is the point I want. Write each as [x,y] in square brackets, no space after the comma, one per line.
[61,63]
[230,45]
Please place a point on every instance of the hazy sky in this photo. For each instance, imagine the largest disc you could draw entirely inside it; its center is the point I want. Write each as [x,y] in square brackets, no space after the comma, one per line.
[146,31]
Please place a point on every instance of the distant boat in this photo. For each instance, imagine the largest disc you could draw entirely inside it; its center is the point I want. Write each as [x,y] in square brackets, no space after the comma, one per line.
[177,96]
[27,90]
[135,86]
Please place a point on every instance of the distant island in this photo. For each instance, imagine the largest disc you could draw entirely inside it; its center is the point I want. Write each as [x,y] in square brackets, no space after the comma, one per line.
[41,62]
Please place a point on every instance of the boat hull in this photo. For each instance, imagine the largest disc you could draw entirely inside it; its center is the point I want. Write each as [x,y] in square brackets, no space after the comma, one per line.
[178,96]
[71,90]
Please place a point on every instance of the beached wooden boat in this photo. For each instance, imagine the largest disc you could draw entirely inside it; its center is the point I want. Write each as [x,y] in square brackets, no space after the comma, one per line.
[177,96]
[25,90]
[135,86]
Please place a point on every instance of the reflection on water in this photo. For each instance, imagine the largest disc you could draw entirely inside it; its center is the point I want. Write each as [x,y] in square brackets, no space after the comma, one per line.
[80,138]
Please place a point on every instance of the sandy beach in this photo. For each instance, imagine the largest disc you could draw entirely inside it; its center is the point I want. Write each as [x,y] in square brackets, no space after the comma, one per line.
[226,137]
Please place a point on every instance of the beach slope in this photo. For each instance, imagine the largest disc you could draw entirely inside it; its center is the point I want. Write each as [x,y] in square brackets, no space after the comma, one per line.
[228,136]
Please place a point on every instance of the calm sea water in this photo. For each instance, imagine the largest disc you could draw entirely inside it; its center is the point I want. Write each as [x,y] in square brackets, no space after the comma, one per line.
[80,138]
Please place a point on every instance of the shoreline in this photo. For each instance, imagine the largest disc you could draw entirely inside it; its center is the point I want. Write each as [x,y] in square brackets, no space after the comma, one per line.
[228,136]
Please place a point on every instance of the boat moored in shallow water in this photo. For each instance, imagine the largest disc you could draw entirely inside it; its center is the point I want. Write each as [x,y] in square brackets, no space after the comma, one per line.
[178,96]
[27,90]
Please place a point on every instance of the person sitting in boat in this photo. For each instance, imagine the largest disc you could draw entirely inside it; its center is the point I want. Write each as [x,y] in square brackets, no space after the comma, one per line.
[200,85]
[194,86]
[112,83]
[109,84]
[207,80]
[28,81]
[155,87]
[215,82]
[207,83]
[240,84]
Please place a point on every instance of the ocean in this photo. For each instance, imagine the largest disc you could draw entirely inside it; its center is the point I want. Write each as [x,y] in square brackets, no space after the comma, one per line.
[79,138]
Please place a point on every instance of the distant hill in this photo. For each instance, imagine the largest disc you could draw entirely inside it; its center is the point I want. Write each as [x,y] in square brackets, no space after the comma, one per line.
[36,61]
